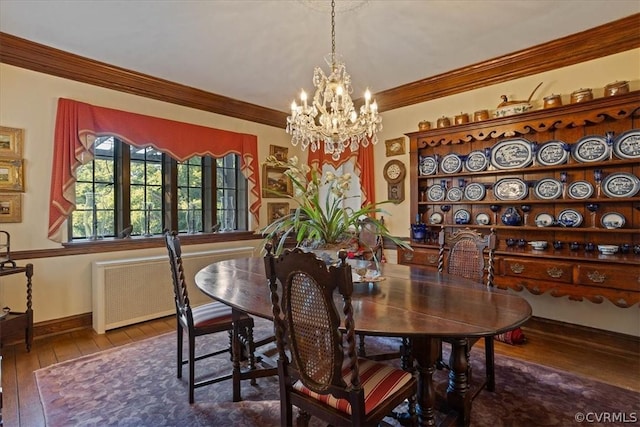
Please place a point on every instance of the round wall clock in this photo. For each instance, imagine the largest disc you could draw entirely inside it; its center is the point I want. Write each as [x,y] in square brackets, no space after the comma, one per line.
[394,173]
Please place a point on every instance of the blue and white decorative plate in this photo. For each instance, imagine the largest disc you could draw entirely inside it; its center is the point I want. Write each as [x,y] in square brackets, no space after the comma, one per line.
[436,218]
[462,216]
[591,148]
[570,218]
[548,189]
[435,193]
[476,161]
[544,220]
[428,165]
[451,163]
[612,220]
[580,190]
[552,153]
[512,154]
[627,145]
[510,189]
[455,194]
[474,192]
[621,184]
[482,219]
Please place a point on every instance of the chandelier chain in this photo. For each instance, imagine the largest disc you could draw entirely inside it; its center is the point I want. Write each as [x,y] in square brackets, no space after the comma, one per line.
[333,34]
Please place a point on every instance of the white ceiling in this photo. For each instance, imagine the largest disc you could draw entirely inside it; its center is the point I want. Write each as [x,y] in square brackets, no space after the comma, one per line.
[264,51]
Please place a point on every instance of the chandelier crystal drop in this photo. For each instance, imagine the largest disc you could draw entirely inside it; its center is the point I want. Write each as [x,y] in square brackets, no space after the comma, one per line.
[330,118]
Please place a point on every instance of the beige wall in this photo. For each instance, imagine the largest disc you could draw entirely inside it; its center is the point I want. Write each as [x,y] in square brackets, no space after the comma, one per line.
[62,285]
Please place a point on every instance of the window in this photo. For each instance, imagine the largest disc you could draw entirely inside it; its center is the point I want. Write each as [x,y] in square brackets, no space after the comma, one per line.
[149,191]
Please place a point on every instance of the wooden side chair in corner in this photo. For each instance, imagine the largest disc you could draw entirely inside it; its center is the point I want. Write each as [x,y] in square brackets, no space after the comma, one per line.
[466,258]
[318,369]
[205,319]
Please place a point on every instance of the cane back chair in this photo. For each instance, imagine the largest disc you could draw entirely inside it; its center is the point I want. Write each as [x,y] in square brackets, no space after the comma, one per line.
[205,319]
[318,369]
[466,258]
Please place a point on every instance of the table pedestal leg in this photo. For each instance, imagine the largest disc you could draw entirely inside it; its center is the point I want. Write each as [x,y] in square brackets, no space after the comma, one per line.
[458,397]
[236,354]
[426,353]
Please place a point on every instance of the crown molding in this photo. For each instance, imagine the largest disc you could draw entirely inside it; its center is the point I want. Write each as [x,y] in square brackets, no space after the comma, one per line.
[608,39]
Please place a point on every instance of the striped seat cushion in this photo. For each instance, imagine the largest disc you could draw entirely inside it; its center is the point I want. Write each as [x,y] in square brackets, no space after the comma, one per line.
[210,314]
[379,381]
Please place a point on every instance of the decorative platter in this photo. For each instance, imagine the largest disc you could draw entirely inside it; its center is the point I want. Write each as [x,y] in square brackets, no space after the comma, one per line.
[476,161]
[436,218]
[474,192]
[435,193]
[428,165]
[356,278]
[548,189]
[612,220]
[552,153]
[570,218]
[462,216]
[627,145]
[482,219]
[621,184]
[512,154]
[455,194]
[544,220]
[580,190]
[591,148]
[510,189]
[451,163]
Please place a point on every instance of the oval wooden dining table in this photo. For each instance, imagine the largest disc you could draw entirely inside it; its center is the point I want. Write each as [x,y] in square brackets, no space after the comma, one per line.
[411,302]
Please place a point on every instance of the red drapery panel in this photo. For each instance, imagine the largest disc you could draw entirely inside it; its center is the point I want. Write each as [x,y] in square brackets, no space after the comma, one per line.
[78,124]
[363,166]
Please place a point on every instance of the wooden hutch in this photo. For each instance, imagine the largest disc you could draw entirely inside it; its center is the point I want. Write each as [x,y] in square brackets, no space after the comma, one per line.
[579,273]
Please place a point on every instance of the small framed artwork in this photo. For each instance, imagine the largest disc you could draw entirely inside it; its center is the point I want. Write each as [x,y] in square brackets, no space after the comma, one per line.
[280,153]
[395,146]
[10,208]
[11,175]
[275,183]
[11,142]
[276,211]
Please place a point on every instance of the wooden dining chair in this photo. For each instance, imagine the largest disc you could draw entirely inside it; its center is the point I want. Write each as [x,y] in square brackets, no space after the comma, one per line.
[318,369]
[466,258]
[205,319]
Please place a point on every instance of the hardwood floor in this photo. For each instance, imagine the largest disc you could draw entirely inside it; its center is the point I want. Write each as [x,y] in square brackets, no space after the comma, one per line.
[578,352]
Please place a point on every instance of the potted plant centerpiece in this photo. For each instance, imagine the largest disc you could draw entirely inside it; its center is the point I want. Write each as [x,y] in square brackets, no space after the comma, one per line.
[322,223]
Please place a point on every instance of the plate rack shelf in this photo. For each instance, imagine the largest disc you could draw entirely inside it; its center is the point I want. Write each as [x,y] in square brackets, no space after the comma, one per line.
[576,273]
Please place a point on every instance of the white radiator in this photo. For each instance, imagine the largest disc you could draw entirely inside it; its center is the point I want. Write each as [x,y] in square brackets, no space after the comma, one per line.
[128,291]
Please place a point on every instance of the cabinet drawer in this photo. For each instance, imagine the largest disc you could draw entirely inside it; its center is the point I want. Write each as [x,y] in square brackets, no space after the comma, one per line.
[419,256]
[626,277]
[537,269]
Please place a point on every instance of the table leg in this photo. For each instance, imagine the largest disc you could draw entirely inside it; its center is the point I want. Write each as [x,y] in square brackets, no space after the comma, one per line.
[236,352]
[425,351]
[458,397]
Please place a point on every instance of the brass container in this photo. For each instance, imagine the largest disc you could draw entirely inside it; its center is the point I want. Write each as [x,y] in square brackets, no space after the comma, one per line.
[443,122]
[461,118]
[616,88]
[424,125]
[552,101]
[480,115]
[581,95]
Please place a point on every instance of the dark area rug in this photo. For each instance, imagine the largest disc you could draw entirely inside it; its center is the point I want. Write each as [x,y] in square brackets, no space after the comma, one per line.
[136,385]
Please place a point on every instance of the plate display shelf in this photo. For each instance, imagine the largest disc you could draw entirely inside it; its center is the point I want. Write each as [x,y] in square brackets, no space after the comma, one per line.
[562,270]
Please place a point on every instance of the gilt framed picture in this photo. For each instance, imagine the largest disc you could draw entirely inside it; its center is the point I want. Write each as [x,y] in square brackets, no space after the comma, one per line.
[10,208]
[275,183]
[395,146]
[11,142]
[276,211]
[11,175]
[280,153]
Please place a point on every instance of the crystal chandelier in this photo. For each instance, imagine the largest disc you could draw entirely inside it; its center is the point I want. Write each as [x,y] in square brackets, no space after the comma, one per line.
[332,118]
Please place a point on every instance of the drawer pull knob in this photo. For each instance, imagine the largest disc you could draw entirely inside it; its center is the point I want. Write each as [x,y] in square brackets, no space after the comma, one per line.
[555,272]
[432,259]
[517,268]
[596,277]
[408,255]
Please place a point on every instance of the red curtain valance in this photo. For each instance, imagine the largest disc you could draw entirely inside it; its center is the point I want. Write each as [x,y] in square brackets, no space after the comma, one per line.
[363,159]
[78,124]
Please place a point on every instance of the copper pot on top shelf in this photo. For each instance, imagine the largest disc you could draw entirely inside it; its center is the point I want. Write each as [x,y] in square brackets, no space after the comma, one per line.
[461,118]
[481,115]
[443,122]
[424,125]
[581,95]
[552,101]
[616,88]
